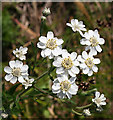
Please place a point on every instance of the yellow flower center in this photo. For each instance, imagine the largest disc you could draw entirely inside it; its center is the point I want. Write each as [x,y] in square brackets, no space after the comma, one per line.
[93,41]
[65,85]
[98,100]
[51,44]
[16,72]
[76,27]
[67,63]
[89,62]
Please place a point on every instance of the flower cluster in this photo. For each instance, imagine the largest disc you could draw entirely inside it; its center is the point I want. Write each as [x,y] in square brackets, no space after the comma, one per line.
[17,71]
[68,65]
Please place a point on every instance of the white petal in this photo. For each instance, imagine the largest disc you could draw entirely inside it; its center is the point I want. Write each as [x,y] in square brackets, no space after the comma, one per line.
[60,70]
[24,68]
[97,94]
[92,51]
[61,95]
[13,80]
[98,48]
[95,68]
[79,30]
[50,35]
[76,63]
[47,51]
[7,69]
[83,65]
[90,73]
[68,24]
[73,89]
[103,103]
[12,64]
[65,54]
[57,63]
[101,41]
[24,50]
[75,70]
[72,79]
[79,58]
[102,97]
[71,73]
[41,45]
[59,41]
[51,56]
[23,57]
[91,33]
[87,48]
[84,55]
[73,21]
[96,61]
[43,39]
[43,53]
[18,64]
[57,51]
[86,70]
[96,34]
[68,95]
[56,91]
[83,41]
[21,79]
[73,55]
[56,86]
[8,77]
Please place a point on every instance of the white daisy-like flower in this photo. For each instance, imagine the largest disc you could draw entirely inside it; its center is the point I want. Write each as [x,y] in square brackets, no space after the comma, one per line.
[62,86]
[20,53]
[77,26]
[16,71]
[88,63]
[46,11]
[50,45]
[67,63]
[93,41]
[28,82]
[99,100]
[86,112]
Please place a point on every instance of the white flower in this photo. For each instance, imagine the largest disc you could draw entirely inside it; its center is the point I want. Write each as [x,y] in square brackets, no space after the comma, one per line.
[46,11]
[16,71]
[28,82]
[4,115]
[63,86]
[87,112]
[50,45]
[77,26]
[93,41]
[67,63]
[20,53]
[99,99]
[88,63]
[43,17]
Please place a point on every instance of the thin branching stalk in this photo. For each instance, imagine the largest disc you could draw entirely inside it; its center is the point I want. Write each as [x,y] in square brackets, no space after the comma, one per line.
[86,106]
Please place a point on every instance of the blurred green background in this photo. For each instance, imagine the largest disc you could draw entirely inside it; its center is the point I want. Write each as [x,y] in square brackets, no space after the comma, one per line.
[21,23]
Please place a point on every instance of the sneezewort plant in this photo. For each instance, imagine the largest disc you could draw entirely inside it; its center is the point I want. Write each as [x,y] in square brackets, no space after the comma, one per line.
[67,66]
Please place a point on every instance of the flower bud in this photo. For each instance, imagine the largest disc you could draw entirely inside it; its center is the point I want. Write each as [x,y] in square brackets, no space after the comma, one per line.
[46,11]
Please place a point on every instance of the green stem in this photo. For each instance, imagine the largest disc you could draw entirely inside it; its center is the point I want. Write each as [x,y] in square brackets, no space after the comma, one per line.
[82,107]
[41,27]
[76,112]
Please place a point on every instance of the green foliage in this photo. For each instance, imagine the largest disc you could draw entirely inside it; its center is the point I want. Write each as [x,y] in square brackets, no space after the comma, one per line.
[9,29]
